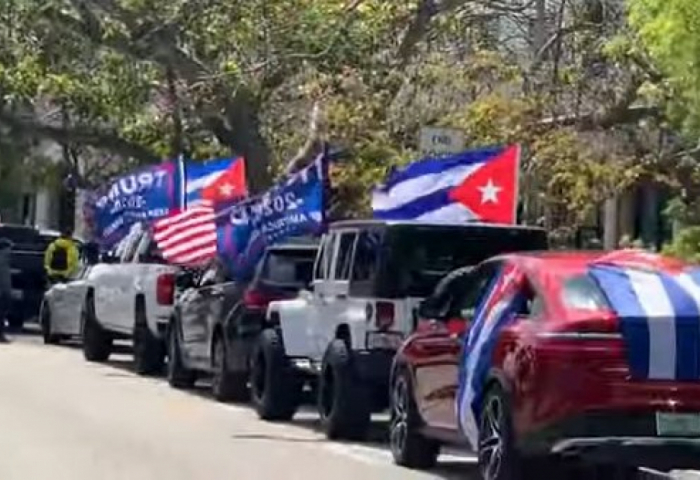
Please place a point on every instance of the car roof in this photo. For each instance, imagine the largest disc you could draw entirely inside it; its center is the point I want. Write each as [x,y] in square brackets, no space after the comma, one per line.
[563,261]
[368,223]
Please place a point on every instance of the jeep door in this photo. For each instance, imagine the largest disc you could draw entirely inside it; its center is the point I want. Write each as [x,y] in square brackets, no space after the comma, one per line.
[330,288]
[337,305]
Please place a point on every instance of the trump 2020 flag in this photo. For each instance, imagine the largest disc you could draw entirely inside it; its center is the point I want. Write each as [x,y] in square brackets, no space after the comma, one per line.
[144,195]
[291,208]
[479,185]
[220,181]
[504,297]
[658,311]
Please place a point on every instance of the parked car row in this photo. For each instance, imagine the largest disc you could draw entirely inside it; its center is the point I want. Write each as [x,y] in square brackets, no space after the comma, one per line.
[377,315]
[27,263]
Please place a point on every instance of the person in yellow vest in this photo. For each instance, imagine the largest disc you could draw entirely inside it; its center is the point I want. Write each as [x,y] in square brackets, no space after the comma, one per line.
[61,259]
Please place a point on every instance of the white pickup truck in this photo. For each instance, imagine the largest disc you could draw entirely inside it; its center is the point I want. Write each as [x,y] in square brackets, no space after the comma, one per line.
[130,295]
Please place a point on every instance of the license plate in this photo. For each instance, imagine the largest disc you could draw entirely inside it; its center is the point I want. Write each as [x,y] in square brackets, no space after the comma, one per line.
[677,424]
[384,341]
[17,295]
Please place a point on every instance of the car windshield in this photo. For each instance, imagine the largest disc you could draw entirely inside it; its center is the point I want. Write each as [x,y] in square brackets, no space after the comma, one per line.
[289,267]
[419,256]
[580,292]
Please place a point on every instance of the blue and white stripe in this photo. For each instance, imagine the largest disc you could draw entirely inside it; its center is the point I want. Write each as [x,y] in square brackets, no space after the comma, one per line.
[492,315]
[659,315]
[421,190]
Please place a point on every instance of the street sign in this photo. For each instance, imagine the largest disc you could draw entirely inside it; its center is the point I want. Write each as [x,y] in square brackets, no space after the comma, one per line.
[439,141]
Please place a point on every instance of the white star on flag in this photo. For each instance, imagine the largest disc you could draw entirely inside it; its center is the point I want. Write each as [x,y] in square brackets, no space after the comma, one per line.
[489,192]
[226,189]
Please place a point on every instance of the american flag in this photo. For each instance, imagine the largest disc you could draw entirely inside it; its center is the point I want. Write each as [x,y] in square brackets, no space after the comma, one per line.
[188,237]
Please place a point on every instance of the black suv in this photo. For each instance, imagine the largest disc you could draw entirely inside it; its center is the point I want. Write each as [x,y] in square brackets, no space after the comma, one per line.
[217,320]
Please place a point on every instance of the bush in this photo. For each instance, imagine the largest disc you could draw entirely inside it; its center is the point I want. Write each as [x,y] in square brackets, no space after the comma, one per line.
[685,245]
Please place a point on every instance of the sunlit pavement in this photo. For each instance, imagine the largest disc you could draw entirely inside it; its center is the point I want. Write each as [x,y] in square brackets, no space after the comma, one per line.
[63,418]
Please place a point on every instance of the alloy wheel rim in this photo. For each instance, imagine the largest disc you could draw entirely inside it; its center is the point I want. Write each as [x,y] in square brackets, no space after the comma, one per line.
[399,417]
[491,440]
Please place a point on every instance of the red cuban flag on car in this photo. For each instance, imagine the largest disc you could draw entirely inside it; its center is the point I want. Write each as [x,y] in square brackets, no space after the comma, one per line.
[475,185]
[502,299]
[188,236]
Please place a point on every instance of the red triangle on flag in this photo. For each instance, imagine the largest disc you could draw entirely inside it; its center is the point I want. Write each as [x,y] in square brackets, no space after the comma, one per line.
[231,184]
[491,191]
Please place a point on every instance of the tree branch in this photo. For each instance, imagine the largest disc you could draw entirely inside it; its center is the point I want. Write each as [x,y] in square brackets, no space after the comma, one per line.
[311,140]
[82,135]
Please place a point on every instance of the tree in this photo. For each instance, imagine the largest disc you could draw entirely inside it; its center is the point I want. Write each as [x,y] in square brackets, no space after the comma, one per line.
[669,30]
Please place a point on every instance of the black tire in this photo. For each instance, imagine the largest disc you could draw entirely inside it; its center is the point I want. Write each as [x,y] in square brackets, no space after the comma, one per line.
[178,375]
[409,447]
[615,472]
[343,401]
[45,321]
[15,321]
[227,386]
[149,351]
[275,387]
[97,343]
[497,456]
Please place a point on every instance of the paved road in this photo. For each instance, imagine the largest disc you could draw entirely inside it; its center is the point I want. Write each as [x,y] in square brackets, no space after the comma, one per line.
[64,419]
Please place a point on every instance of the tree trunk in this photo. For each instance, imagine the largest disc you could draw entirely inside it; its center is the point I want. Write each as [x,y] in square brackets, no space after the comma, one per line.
[245,138]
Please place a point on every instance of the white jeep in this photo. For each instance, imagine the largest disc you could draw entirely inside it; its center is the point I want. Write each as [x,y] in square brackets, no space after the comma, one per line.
[340,336]
[130,295]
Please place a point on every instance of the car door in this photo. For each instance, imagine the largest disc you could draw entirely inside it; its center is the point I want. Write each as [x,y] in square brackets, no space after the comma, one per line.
[322,302]
[111,304]
[440,343]
[68,300]
[194,317]
[337,304]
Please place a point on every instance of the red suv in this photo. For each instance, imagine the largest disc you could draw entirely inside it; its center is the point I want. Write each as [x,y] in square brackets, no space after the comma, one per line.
[558,375]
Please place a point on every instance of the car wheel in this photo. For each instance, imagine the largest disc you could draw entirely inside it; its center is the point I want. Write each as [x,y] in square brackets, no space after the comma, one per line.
[45,320]
[343,401]
[149,354]
[227,386]
[97,343]
[275,387]
[615,472]
[16,321]
[178,375]
[408,446]
[497,456]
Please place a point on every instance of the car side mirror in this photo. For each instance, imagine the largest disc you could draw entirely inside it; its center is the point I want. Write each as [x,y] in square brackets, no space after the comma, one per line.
[109,259]
[184,280]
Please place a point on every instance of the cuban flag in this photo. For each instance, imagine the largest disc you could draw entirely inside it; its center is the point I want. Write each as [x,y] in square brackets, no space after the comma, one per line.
[658,311]
[475,185]
[503,299]
[220,181]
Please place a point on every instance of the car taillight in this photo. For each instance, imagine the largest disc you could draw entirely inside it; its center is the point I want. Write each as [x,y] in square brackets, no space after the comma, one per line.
[255,299]
[384,315]
[165,289]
